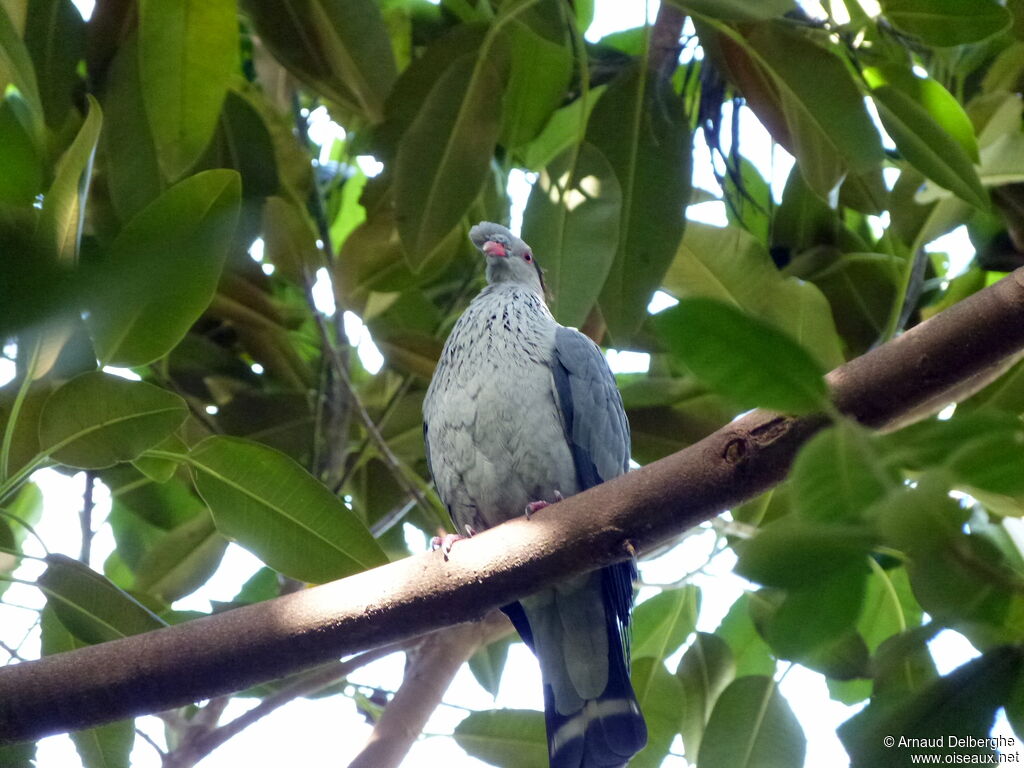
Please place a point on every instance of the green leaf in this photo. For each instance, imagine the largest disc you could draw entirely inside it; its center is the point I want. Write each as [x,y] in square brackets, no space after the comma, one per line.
[346,211]
[744,359]
[803,220]
[290,243]
[160,469]
[749,198]
[106,746]
[63,214]
[736,10]
[639,125]
[488,663]
[662,624]
[340,48]
[22,178]
[166,262]
[262,585]
[994,462]
[541,67]
[658,693]
[97,420]
[947,22]
[920,519]
[563,131]
[188,52]
[792,553]
[903,663]
[829,127]
[271,505]
[889,607]
[16,69]
[930,129]
[571,222]
[860,288]
[705,670]
[25,440]
[659,431]
[837,475]
[22,511]
[243,142]
[90,606]
[444,156]
[933,442]
[815,615]
[505,737]
[21,755]
[751,654]
[752,726]
[960,579]
[181,561]
[729,264]
[55,39]
[410,92]
[961,704]
[133,171]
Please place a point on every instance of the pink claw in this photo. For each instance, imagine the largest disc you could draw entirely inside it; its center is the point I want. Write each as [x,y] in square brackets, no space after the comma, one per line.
[536,506]
[446,542]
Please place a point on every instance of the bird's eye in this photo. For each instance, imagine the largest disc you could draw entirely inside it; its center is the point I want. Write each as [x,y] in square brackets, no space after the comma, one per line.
[528,256]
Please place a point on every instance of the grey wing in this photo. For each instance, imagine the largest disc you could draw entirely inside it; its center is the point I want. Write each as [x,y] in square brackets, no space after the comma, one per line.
[598,434]
[595,421]
[426,450]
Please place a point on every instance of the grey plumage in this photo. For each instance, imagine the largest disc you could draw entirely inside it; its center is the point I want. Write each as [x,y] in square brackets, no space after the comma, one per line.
[522,409]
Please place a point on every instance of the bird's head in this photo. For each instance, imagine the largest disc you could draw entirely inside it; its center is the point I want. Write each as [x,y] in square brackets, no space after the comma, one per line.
[509,259]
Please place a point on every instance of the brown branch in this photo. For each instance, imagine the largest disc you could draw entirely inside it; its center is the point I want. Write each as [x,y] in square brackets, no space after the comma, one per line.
[663,53]
[428,673]
[238,648]
[197,747]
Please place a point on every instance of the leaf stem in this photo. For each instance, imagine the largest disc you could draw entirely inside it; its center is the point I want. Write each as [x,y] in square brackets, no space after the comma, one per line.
[19,400]
[24,524]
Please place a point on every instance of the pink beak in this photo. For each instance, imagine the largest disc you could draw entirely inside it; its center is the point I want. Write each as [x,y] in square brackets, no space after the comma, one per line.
[493,248]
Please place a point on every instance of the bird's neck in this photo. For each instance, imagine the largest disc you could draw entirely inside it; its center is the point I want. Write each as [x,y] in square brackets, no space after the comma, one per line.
[509,291]
[505,314]
[517,299]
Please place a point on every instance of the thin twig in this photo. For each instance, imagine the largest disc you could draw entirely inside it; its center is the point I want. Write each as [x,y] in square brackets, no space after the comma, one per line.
[86,517]
[192,751]
[381,526]
[335,342]
[149,740]
[12,652]
[407,381]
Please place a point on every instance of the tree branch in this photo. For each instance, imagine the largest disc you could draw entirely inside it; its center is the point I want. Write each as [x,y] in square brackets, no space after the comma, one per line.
[198,747]
[665,46]
[238,648]
[428,673]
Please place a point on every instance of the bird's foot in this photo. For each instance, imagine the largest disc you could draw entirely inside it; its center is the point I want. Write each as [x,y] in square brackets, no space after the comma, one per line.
[446,542]
[537,506]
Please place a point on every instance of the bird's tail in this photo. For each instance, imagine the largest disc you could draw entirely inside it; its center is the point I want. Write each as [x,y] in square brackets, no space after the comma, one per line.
[605,733]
